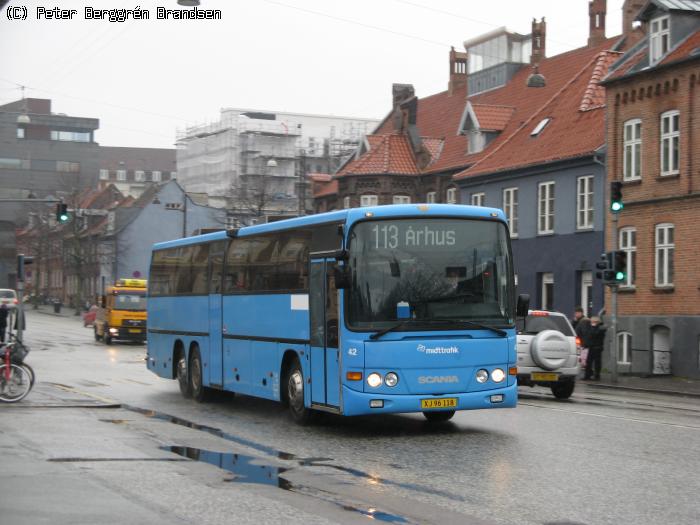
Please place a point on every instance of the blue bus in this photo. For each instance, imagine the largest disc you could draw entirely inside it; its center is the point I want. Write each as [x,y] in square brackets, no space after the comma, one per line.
[403,308]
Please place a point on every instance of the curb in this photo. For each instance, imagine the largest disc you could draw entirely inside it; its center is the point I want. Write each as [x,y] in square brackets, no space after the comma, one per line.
[647,390]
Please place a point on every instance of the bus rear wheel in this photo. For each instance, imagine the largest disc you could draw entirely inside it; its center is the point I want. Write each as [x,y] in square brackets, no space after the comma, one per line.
[295,395]
[200,393]
[182,372]
[438,417]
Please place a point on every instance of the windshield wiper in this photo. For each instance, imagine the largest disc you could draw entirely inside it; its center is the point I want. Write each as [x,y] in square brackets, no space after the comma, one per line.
[440,320]
[473,324]
[384,331]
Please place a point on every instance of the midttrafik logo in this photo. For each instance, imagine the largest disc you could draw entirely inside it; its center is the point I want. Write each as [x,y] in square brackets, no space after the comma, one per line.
[438,349]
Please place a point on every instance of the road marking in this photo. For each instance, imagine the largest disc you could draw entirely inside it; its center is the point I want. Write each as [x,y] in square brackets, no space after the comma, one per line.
[74,390]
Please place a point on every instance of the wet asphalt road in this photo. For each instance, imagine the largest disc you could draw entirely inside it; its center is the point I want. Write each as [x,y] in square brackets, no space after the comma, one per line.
[114,441]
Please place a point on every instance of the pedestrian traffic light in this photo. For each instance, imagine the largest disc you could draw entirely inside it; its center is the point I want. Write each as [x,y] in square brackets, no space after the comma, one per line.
[62,213]
[620,266]
[616,203]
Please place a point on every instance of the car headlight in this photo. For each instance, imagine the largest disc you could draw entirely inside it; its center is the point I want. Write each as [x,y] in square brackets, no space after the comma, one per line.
[482,376]
[374,380]
[391,379]
[498,375]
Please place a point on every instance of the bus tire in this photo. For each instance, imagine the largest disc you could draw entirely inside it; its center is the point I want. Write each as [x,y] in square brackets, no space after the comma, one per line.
[182,373]
[295,395]
[200,393]
[439,417]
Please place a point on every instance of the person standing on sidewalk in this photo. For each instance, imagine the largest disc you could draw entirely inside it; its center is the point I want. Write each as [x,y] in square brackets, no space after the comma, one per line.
[594,338]
[4,313]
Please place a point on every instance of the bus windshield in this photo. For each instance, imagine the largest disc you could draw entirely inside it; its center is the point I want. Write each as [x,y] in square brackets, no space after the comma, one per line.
[130,301]
[430,271]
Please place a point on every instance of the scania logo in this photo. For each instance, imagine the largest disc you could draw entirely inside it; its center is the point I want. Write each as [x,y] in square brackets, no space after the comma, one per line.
[438,349]
[437,379]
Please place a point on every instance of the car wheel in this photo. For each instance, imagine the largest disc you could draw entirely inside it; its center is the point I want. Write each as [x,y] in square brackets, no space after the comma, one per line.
[563,389]
[295,395]
[200,393]
[439,417]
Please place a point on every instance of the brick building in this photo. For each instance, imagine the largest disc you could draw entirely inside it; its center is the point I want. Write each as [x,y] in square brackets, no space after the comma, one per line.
[653,137]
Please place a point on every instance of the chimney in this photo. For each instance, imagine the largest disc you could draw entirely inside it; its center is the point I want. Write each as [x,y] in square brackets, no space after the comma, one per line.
[539,39]
[401,93]
[630,10]
[596,15]
[458,71]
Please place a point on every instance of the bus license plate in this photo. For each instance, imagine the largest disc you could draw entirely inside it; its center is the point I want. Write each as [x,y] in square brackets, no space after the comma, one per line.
[544,376]
[444,402]
[134,331]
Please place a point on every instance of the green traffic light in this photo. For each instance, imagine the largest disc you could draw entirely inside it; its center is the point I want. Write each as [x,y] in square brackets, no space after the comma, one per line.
[620,276]
[64,218]
[616,206]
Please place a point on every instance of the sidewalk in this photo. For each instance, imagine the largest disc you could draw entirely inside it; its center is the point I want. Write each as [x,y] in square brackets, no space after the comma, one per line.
[66,311]
[672,385]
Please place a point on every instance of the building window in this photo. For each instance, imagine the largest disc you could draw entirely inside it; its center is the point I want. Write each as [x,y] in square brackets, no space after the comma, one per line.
[628,243]
[20,133]
[70,136]
[545,198]
[664,255]
[14,164]
[231,222]
[431,197]
[451,196]
[139,176]
[369,200]
[510,208]
[346,202]
[624,348]
[659,38]
[584,202]
[632,160]
[587,292]
[104,174]
[538,129]
[67,167]
[477,199]
[173,175]
[547,291]
[155,176]
[670,142]
[402,199]
[121,174]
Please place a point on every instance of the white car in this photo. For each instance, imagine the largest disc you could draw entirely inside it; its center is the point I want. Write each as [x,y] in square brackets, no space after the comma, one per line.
[8,298]
[547,352]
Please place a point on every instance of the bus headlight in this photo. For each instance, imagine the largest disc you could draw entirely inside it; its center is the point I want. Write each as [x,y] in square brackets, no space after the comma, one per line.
[482,376]
[374,380]
[391,379]
[498,375]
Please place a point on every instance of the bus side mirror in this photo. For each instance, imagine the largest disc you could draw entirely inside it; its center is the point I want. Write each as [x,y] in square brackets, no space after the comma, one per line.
[341,275]
[523,305]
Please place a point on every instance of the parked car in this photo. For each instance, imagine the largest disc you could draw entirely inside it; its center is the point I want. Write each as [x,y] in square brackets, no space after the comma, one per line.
[89,316]
[547,352]
[8,297]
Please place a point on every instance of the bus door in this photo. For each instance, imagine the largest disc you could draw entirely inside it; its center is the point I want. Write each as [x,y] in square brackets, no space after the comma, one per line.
[324,315]
[216,355]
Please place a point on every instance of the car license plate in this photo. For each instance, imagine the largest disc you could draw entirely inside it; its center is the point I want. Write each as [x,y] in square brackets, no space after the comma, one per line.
[134,331]
[544,376]
[442,402]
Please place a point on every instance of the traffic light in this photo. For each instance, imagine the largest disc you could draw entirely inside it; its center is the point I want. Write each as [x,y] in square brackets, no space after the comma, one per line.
[22,261]
[62,213]
[616,203]
[620,266]
[606,266]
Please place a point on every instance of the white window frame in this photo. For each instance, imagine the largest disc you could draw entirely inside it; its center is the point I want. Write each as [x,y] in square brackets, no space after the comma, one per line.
[20,132]
[346,203]
[401,199]
[632,150]
[104,174]
[121,175]
[451,196]
[139,176]
[368,200]
[659,38]
[547,278]
[628,243]
[545,207]
[477,199]
[664,238]
[155,176]
[586,291]
[431,197]
[584,202]
[669,139]
[624,348]
[510,208]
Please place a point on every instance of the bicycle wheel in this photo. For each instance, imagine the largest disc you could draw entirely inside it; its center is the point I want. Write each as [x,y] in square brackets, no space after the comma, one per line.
[30,371]
[17,386]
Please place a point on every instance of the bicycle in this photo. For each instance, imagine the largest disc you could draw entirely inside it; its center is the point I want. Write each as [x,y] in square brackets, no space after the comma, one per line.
[16,377]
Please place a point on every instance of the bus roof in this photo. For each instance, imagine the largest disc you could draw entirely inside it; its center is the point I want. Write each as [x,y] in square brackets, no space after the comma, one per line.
[348,216]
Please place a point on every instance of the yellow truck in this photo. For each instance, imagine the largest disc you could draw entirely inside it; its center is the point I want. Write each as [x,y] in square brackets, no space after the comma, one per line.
[121,312]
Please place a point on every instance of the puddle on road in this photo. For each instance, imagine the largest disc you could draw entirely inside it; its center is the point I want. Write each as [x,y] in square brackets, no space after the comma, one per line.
[246,471]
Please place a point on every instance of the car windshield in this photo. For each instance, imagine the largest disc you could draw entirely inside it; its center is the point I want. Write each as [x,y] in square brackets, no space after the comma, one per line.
[429,271]
[535,324]
[130,302]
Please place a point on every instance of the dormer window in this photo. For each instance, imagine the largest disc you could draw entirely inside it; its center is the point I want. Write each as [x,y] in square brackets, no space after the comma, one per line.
[659,38]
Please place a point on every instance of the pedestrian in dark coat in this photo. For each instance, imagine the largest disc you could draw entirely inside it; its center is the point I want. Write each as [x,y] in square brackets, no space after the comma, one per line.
[4,312]
[594,339]
[580,322]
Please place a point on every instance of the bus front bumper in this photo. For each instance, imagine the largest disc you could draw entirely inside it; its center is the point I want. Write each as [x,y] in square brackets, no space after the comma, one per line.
[358,403]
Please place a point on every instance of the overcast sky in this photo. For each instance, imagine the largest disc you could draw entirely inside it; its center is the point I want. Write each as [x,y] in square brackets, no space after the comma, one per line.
[144,79]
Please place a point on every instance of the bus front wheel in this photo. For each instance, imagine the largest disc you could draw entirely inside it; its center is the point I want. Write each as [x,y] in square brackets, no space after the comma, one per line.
[295,395]
[437,417]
